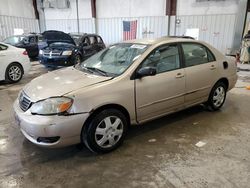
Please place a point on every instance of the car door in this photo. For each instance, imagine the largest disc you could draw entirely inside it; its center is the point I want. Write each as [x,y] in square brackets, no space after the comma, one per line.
[31,46]
[201,72]
[86,48]
[164,92]
[94,44]
[3,61]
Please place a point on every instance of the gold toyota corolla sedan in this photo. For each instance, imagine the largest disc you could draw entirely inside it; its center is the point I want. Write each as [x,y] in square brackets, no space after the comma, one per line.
[128,83]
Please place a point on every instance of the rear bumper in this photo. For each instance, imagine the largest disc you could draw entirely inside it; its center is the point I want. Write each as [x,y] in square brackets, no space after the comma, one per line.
[232,81]
[56,61]
[26,64]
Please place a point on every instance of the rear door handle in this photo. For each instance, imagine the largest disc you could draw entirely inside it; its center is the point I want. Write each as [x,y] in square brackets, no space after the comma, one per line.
[179,75]
[2,55]
[212,67]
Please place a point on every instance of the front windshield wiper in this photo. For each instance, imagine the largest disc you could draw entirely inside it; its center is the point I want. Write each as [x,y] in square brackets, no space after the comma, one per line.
[93,69]
[78,66]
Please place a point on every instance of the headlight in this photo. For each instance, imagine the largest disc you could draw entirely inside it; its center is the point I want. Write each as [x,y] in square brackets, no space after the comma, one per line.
[68,52]
[52,106]
[40,52]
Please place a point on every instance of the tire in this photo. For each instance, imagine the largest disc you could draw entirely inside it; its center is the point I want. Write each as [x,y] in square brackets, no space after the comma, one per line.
[14,73]
[77,59]
[105,131]
[217,96]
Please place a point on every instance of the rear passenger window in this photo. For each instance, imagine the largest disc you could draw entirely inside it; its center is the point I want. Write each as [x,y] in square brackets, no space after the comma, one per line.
[210,56]
[99,40]
[196,54]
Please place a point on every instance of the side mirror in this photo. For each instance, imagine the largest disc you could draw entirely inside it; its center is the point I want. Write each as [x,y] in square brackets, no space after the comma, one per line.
[146,71]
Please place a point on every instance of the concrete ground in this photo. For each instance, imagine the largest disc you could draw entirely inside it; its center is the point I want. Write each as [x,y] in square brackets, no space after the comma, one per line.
[161,153]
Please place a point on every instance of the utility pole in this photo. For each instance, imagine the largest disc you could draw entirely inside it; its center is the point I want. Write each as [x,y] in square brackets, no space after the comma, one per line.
[77,15]
[93,10]
[170,12]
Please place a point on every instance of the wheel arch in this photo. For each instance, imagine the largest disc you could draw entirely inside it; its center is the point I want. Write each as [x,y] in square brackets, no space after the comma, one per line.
[108,106]
[225,81]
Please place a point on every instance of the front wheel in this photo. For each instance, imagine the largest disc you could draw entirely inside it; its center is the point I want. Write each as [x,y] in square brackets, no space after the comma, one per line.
[14,73]
[217,96]
[105,131]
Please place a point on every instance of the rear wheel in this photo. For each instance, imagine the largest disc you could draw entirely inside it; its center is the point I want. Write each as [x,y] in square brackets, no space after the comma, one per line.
[217,96]
[105,131]
[14,73]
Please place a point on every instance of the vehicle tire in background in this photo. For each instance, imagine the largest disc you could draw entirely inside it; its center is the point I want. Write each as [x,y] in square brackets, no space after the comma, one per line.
[14,73]
[217,96]
[105,131]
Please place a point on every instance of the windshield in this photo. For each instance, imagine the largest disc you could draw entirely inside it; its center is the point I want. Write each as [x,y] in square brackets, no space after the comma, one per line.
[114,60]
[14,40]
[76,38]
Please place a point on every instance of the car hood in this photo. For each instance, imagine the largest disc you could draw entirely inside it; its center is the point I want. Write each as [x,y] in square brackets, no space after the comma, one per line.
[57,36]
[60,46]
[60,82]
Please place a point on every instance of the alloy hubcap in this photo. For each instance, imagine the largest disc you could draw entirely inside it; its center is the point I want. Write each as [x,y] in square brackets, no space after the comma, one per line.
[109,131]
[15,73]
[219,96]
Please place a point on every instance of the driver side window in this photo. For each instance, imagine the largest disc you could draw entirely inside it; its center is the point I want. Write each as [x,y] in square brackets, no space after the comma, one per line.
[164,58]
[86,41]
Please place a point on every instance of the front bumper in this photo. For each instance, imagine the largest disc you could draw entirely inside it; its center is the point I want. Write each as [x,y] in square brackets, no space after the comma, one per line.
[56,61]
[34,127]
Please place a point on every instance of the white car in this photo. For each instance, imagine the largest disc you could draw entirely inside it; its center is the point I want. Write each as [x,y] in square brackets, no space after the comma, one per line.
[14,63]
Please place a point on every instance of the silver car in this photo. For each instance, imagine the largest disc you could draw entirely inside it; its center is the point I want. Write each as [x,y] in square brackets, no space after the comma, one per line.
[125,84]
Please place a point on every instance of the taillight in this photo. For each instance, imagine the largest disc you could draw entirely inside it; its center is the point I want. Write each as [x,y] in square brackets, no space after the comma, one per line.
[25,52]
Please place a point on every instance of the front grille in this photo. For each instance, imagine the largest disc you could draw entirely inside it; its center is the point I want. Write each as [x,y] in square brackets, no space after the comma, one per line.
[53,53]
[24,101]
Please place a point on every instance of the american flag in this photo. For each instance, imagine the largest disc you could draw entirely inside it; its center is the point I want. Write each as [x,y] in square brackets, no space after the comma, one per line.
[129,30]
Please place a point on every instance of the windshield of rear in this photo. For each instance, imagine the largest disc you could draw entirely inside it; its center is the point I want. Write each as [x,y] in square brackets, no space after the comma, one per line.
[115,59]
[14,40]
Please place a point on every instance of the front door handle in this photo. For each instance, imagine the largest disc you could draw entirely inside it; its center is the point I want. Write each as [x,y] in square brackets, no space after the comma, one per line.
[2,55]
[212,67]
[179,75]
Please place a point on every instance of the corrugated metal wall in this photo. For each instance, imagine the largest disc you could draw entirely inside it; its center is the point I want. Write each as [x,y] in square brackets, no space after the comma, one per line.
[111,28]
[218,30]
[8,23]
[70,25]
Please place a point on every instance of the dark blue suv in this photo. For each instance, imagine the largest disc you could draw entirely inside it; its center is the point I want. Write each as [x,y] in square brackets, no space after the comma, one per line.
[62,49]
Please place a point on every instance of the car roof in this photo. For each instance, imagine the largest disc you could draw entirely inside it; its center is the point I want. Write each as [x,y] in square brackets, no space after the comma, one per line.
[168,39]
[25,35]
[83,34]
